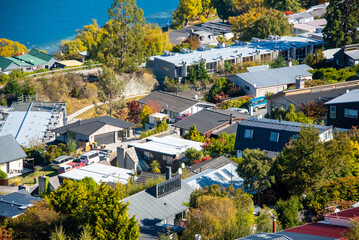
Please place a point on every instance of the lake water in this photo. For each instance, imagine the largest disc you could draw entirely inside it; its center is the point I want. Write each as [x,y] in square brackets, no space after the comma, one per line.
[44,23]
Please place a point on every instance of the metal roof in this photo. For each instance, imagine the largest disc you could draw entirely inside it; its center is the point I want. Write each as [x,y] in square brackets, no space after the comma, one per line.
[208,119]
[89,126]
[353,54]
[10,149]
[99,173]
[274,76]
[349,97]
[146,207]
[244,50]
[214,163]
[319,229]
[14,204]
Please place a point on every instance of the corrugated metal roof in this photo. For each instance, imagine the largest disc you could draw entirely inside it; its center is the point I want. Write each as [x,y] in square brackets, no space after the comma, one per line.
[10,203]
[319,229]
[10,149]
[274,77]
[349,97]
[146,207]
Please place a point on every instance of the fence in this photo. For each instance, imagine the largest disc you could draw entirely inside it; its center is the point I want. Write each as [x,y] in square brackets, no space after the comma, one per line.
[64,70]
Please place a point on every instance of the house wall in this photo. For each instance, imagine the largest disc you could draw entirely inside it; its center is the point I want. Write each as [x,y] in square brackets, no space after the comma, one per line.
[13,165]
[163,68]
[261,92]
[155,156]
[341,59]
[340,121]
[105,129]
[279,102]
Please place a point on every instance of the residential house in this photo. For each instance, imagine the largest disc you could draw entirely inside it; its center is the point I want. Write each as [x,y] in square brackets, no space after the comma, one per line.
[205,37]
[220,170]
[347,56]
[271,135]
[264,80]
[343,110]
[129,158]
[33,60]
[103,130]
[300,17]
[177,65]
[14,204]
[211,122]
[297,97]
[166,150]
[173,105]
[32,121]
[160,206]
[312,26]
[11,156]
[329,56]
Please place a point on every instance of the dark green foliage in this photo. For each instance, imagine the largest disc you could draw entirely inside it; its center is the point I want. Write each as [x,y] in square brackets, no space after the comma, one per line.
[54,151]
[332,75]
[3,101]
[222,88]
[278,62]
[194,135]
[4,78]
[198,73]
[284,5]
[3,175]
[316,59]
[225,8]
[288,212]
[216,147]
[28,88]
[13,87]
[342,23]
[192,154]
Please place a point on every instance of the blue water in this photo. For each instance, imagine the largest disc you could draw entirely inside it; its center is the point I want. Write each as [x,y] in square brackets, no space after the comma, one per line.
[44,23]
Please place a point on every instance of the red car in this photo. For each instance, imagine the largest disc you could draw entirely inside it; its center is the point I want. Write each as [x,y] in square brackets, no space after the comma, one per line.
[69,167]
[183,116]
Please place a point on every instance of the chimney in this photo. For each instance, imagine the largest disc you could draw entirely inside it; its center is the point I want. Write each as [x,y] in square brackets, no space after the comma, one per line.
[230,119]
[168,172]
[42,184]
[274,224]
[290,62]
[121,157]
[299,82]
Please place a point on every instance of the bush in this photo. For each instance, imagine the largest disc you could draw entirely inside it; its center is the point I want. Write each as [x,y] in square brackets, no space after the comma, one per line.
[3,175]
[160,128]
[4,78]
[193,155]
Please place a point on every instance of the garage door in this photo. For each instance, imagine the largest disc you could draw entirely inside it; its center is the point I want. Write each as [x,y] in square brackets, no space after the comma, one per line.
[105,138]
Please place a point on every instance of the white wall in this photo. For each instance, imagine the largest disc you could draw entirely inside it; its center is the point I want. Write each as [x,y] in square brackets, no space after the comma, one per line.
[16,165]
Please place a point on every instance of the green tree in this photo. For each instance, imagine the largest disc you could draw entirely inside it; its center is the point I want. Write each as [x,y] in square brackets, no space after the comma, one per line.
[28,88]
[3,174]
[71,146]
[194,135]
[58,234]
[225,8]
[265,220]
[13,87]
[122,45]
[255,170]
[192,154]
[292,115]
[186,10]
[278,62]
[284,5]
[342,23]
[316,59]
[112,87]
[202,71]
[288,212]
[155,166]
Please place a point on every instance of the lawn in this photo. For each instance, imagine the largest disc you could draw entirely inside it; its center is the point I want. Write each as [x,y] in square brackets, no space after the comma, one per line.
[29,177]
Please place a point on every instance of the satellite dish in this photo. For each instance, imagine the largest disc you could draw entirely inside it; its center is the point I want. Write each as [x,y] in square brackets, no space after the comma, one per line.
[337,210]
[180,171]
[183,165]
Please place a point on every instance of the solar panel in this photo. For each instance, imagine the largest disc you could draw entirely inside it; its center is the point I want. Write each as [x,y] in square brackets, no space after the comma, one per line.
[220,176]
[228,173]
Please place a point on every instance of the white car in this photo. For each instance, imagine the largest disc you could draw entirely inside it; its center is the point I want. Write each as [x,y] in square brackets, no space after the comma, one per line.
[240,110]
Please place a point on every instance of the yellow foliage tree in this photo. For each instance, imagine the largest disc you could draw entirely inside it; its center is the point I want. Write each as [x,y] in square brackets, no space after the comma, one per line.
[186,10]
[10,48]
[72,46]
[145,113]
[153,40]
[243,21]
[245,6]
[91,34]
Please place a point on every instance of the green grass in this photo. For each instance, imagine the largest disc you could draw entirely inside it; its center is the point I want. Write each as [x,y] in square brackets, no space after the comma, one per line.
[29,177]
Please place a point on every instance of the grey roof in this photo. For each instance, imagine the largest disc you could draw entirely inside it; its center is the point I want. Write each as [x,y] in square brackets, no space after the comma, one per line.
[299,16]
[353,54]
[191,94]
[89,126]
[273,77]
[10,149]
[208,119]
[215,163]
[329,53]
[144,176]
[285,236]
[170,101]
[320,93]
[14,204]
[258,68]
[230,129]
[148,208]
[349,97]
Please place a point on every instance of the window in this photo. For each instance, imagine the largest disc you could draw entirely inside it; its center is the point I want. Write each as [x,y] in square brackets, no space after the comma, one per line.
[350,113]
[326,136]
[168,159]
[247,88]
[147,155]
[274,137]
[248,133]
[295,137]
[333,112]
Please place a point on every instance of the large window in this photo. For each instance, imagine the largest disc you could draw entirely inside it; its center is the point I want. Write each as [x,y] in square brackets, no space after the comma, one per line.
[211,66]
[274,137]
[248,133]
[350,113]
[333,112]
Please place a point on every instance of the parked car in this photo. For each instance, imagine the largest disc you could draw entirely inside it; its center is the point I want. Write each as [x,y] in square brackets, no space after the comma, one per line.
[69,167]
[183,116]
[256,103]
[90,157]
[240,110]
[63,160]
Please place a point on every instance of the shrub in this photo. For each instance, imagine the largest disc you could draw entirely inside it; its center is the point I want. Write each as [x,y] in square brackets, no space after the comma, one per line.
[3,175]
[160,128]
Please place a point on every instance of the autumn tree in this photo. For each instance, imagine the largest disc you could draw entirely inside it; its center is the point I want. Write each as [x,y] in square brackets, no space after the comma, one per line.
[353,233]
[241,23]
[314,110]
[186,10]
[134,111]
[193,42]
[255,170]
[90,35]
[207,7]
[155,40]
[342,23]
[284,5]
[246,6]
[10,48]
[145,114]
[70,49]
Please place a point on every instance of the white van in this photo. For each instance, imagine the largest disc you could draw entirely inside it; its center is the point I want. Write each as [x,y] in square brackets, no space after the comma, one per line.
[90,157]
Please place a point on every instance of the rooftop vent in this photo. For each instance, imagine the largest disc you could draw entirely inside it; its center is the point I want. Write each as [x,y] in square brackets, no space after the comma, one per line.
[186,50]
[256,40]
[221,45]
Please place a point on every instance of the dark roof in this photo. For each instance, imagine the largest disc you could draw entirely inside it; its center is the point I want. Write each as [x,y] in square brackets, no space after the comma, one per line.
[170,101]
[40,54]
[144,176]
[191,94]
[262,129]
[207,120]
[215,163]
[349,97]
[148,208]
[10,150]
[348,213]
[89,126]
[4,63]
[14,204]
[320,93]
[319,229]
[230,129]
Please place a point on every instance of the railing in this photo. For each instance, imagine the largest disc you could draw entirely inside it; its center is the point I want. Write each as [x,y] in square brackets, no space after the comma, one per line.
[65,70]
